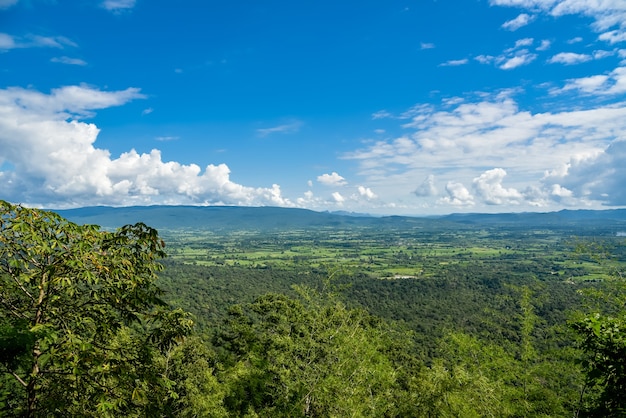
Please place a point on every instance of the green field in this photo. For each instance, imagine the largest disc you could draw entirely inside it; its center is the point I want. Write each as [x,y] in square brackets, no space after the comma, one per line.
[392,253]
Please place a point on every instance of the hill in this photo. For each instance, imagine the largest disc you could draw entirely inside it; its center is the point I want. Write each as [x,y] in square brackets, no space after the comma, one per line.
[224,218]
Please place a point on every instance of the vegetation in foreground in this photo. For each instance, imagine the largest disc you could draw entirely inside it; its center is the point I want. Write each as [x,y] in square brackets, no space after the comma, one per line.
[426,327]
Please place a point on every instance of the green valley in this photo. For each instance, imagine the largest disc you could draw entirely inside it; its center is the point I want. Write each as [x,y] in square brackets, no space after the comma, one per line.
[311,314]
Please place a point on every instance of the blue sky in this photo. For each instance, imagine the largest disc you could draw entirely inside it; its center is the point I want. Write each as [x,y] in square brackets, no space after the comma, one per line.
[385,107]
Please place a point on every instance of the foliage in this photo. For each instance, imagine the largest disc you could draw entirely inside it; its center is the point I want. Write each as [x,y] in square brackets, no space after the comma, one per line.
[308,357]
[604,342]
[601,329]
[81,318]
[433,320]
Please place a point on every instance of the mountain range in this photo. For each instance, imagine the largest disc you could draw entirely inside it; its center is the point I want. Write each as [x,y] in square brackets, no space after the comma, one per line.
[224,218]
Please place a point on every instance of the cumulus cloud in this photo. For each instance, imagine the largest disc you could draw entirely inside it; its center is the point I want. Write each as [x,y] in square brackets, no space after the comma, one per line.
[458,195]
[458,139]
[520,58]
[489,187]
[544,45]
[569,58]
[485,59]
[50,158]
[520,21]
[332,179]
[611,84]
[338,198]
[427,188]
[513,57]
[608,16]
[366,192]
[614,36]
[522,42]
[598,176]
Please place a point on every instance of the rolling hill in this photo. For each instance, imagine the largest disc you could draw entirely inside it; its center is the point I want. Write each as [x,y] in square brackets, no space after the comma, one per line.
[224,218]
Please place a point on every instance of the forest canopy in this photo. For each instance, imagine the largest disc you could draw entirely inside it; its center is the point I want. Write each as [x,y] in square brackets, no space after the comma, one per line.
[466,322]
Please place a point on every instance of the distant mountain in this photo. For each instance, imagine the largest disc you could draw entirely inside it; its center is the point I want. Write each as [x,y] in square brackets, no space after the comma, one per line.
[563,217]
[225,218]
[208,217]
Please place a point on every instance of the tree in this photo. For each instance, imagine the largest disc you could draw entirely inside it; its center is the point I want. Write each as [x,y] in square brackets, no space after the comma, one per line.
[81,317]
[602,336]
[604,342]
[310,356]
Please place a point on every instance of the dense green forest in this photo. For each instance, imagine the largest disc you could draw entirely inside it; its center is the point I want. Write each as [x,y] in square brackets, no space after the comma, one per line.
[468,316]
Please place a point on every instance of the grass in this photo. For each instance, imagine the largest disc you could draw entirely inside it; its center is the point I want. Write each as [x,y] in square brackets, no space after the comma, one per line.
[386,253]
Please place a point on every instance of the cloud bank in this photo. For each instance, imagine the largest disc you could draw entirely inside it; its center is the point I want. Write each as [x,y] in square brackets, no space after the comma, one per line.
[571,157]
[50,158]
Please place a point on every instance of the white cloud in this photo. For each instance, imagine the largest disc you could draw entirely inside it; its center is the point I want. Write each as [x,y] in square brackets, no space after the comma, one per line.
[569,58]
[381,114]
[66,102]
[613,83]
[544,46]
[427,188]
[288,128]
[599,54]
[366,192]
[338,198]
[599,176]
[167,138]
[118,5]
[485,59]
[523,42]
[606,14]
[521,58]
[458,139]
[454,63]
[426,45]
[560,191]
[458,195]
[575,40]
[50,159]
[5,4]
[514,57]
[520,21]
[614,36]
[592,84]
[8,42]
[489,187]
[69,61]
[332,179]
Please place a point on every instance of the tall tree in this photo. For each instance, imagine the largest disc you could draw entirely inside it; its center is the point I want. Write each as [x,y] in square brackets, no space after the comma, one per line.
[80,316]
[602,332]
[310,356]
